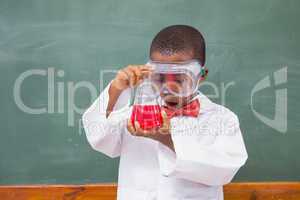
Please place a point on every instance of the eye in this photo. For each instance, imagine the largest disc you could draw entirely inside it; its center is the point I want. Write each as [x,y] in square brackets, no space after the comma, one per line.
[161,78]
[158,78]
[179,81]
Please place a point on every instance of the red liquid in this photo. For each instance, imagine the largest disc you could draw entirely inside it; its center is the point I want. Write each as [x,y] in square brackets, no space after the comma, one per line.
[148,116]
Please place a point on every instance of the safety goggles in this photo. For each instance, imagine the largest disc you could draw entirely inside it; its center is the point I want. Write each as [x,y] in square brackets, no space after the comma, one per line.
[179,79]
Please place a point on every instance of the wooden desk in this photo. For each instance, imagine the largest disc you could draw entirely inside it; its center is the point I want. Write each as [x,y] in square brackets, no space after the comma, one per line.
[233,191]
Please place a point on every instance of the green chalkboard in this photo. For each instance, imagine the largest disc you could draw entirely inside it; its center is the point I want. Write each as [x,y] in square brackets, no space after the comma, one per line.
[52,53]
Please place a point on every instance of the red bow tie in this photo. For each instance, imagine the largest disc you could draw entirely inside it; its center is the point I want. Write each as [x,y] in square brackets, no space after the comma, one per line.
[191,109]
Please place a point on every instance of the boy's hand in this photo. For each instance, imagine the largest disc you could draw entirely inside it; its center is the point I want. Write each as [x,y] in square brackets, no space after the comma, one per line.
[131,76]
[161,134]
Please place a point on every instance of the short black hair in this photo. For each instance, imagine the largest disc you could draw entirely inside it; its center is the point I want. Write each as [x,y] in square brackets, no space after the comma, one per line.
[179,39]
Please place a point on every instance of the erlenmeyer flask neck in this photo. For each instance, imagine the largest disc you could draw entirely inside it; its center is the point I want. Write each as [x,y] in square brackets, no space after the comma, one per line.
[146,93]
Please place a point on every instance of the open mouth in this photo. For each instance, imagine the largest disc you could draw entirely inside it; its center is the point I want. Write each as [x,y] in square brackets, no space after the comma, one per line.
[172,104]
[170,100]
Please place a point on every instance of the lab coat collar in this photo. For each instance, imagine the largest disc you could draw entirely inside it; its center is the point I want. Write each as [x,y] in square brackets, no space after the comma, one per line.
[205,103]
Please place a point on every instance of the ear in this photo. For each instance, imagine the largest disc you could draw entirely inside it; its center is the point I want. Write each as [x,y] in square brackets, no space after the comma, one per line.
[204,74]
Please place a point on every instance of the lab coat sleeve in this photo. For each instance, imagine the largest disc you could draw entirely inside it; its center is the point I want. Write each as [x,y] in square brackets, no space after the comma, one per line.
[105,134]
[211,156]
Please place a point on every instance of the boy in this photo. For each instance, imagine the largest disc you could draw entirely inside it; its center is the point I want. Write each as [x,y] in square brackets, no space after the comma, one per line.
[199,146]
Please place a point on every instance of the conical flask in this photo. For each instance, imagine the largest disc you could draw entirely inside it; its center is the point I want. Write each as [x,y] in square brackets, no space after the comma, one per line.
[146,109]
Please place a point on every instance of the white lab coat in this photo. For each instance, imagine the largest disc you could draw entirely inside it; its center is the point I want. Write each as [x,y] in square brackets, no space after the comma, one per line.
[209,151]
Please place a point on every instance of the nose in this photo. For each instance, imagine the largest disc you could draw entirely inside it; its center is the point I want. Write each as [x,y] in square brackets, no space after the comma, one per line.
[172,85]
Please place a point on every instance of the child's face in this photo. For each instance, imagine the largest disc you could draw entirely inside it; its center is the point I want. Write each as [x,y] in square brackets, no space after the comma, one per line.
[170,99]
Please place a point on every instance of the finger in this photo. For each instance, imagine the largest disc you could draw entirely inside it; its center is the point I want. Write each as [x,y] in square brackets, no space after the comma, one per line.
[165,117]
[123,75]
[134,77]
[146,67]
[130,127]
[154,131]
[146,74]
[139,130]
[166,122]
[164,131]
[131,76]
[146,70]
[138,74]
